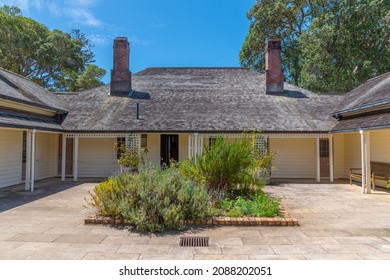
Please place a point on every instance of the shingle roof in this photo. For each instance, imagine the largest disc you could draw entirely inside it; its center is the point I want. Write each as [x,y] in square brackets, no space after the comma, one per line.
[374,92]
[18,88]
[367,106]
[374,121]
[17,119]
[200,99]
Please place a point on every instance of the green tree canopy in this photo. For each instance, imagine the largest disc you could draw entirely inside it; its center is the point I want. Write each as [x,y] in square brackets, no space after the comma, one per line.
[327,46]
[53,59]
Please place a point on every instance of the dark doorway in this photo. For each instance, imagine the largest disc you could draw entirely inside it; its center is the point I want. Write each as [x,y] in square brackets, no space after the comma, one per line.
[69,156]
[324,158]
[169,148]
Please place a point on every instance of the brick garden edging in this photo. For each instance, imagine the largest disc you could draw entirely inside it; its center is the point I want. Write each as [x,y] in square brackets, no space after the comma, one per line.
[227,221]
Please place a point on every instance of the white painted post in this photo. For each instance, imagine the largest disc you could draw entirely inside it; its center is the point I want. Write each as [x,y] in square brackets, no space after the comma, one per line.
[318,159]
[331,167]
[196,145]
[75,158]
[362,144]
[34,131]
[63,158]
[368,164]
[28,161]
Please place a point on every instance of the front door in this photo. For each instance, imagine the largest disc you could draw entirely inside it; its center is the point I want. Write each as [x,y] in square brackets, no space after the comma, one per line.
[324,158]
[69,156]
[169,148]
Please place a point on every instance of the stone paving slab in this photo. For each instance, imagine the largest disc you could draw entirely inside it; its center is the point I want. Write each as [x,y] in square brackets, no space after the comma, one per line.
[55,256]
[42,247]
[333,257]
[276,257]
[109,256]
[336,222]
[297,240]
[142,249]
[80,238]
[185,256]
[37,237]
[276,240]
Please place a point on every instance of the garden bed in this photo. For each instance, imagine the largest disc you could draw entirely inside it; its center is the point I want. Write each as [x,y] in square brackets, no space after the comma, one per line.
[221,187]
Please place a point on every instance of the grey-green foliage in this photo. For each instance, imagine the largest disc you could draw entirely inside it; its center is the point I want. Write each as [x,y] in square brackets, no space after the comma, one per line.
[327,46]
[152,200]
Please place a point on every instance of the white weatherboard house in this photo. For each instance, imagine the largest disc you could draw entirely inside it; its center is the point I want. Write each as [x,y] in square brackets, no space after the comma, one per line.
[176,112]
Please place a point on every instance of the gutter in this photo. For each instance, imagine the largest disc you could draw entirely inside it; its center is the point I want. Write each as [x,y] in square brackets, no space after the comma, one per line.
[361,128]
[37,105]
[380,105]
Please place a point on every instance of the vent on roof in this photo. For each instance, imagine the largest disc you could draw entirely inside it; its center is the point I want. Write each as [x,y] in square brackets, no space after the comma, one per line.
[188,241]
[8,82]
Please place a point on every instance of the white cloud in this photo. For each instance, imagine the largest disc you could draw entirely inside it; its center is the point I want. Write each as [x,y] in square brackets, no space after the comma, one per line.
[98,39]
[79,11]
[82,16]
[139,41]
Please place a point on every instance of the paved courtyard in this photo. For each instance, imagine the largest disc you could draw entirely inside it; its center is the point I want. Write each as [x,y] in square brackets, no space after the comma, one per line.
[336,222]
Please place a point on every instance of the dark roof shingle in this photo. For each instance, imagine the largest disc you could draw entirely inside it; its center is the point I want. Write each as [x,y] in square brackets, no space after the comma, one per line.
[200,99]
[373,92]
[17,88]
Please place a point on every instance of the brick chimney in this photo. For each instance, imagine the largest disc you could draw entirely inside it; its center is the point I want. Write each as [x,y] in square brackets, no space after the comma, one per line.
[273,67]
[120,84]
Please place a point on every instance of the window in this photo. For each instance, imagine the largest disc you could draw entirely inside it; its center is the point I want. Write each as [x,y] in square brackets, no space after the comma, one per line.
[120,143]
[212,142]
[324,148]
[261,145]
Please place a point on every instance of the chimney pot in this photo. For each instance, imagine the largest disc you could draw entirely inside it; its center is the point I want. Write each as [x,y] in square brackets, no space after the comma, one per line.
[274,80]
[120,84]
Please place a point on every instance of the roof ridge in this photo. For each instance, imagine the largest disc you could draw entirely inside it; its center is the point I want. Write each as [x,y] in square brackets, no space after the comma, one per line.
[197,67]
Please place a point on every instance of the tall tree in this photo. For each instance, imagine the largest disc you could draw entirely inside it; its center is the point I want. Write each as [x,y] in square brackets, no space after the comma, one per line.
[308,30]
[346,45]
[53,59]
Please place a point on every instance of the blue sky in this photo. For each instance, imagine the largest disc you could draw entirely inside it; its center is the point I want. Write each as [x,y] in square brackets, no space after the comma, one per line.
[161,33]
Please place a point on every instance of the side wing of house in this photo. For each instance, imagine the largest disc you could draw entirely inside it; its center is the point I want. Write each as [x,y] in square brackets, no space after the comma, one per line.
[29,126]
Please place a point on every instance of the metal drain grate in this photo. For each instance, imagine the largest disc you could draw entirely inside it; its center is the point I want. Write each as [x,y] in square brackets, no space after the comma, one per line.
[188,241]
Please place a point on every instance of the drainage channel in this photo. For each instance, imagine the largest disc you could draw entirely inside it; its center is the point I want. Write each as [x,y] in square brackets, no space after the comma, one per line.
[192,241]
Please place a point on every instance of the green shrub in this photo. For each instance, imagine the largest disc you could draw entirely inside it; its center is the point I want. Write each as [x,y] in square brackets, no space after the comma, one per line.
[228,165]
[152,200]
[107,194]
[257,206]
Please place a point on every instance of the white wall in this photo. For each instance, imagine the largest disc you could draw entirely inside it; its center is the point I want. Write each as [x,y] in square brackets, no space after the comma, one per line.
[97,157]
[11,142]
[352,152]
[294,158]
[380,146]
[45,155]
[380,149]
[338,156]
[183,146]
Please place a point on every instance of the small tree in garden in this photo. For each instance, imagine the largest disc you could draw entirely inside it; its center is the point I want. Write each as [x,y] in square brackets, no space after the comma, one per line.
[228,165]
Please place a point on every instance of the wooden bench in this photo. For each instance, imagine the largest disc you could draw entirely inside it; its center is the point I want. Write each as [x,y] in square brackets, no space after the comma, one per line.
[379,171]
